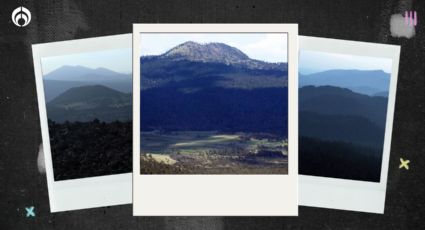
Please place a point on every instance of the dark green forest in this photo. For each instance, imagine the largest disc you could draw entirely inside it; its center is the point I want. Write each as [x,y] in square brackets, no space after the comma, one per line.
[214,108]
[341,133]
[339,159]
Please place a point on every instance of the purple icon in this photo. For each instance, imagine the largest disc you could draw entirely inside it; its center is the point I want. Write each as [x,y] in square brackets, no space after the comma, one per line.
[410,18]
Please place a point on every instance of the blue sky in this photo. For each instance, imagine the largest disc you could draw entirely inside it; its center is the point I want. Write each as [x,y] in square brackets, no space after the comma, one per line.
[270,47]
[119,60]
[314,61]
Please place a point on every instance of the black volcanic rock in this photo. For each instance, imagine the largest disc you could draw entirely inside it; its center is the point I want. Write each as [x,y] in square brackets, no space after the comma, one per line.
[88,149]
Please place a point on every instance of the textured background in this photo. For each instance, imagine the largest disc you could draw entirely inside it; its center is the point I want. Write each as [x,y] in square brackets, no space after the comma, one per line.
[22,185]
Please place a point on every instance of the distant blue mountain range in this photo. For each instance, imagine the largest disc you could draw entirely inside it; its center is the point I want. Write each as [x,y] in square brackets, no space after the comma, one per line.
[67,77]
[85,74]
[368,82]
[349,112]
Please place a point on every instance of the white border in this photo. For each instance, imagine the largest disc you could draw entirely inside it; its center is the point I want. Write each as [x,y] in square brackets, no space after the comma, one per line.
[88,192]
[218,195]
[344,194]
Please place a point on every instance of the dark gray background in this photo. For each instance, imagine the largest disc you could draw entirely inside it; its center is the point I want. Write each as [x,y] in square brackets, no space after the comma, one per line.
[22,185]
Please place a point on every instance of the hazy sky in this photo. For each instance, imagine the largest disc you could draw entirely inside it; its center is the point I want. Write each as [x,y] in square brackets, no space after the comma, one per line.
[261,46]
[314,61]
[119,60]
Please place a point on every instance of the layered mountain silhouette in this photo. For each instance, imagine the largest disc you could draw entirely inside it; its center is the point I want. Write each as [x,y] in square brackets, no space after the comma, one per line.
[86,103]
[330,100]
[212,87]
[341,132]
[381,94]
[85,74]
[338,114]
[369,82]
[67,77]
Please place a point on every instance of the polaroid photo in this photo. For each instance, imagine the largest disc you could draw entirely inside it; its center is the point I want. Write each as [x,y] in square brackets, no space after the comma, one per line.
[346,104]
[84,90]
[215,120]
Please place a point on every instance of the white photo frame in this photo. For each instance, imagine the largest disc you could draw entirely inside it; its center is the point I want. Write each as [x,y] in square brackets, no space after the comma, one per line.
[218,195]
[89,192]
[354,195]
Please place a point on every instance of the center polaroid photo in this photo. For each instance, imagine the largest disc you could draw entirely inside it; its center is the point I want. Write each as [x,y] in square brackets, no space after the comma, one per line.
[215,120]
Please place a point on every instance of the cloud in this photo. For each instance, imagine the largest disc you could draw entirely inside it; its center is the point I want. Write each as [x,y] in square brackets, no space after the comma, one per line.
[273,47]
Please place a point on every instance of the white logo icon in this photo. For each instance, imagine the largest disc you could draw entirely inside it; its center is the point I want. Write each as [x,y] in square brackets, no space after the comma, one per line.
[21,16]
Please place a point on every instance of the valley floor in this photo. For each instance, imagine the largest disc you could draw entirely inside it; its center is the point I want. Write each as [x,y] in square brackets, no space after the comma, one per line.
[205,152]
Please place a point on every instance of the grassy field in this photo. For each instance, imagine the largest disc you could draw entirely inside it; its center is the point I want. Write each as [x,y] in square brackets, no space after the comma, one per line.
[212,153]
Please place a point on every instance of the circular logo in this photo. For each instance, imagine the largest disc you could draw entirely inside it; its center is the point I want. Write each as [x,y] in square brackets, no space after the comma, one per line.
[21,16]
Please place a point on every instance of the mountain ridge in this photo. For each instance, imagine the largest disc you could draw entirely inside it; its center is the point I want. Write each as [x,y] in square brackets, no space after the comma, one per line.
[84,93]
[69,76]
[331,100]
[206,52]
[214,52]
[368,82]
[85,74]
[86,103]
[186,63]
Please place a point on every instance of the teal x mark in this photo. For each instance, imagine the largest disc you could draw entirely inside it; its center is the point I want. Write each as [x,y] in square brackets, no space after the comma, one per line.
[30,211]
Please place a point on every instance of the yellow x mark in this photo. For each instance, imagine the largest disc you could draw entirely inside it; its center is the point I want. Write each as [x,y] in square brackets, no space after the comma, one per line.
[404,164]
